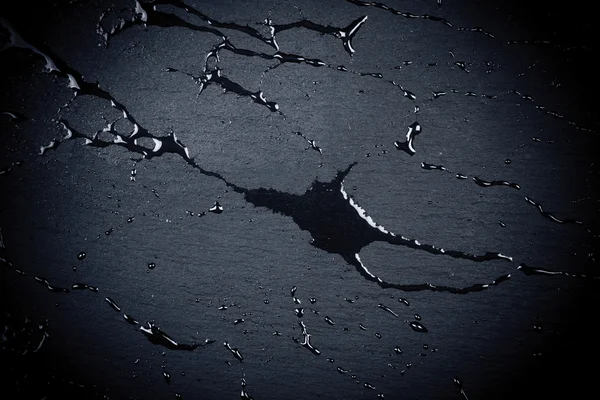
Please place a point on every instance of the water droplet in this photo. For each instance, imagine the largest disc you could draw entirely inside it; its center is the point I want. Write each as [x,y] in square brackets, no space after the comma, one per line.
[217,208]
[151,265]
[112,304]
[130,319]
[81,256]
[417,327]
[387,309]
[236,353]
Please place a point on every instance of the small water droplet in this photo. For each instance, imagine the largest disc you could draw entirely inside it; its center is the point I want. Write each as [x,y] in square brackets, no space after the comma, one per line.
[417,327]
[216,208]
[151,265]
[81,256]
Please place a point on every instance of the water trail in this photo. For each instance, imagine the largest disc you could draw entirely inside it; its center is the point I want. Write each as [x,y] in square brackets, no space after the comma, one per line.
[554,114]
[7,170]
[476,180]
[130,319]
[553,218]
[400,13]
[243,393]
[431,167]
[344,34]
[156,336]
[215,76]
[477,29]
[146,14]
[236,353]
[484,183]
[284,58]
[388,310]
[459,385]
[112,304]
[528,270]
[214,23]
[311,142]
[82,286]
[306,341]
[325,210]
[50,287]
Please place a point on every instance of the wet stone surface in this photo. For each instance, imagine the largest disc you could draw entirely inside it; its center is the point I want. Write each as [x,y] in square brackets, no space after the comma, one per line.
[357,199]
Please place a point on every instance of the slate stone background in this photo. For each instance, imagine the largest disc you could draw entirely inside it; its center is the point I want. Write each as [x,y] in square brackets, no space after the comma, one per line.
[530,335]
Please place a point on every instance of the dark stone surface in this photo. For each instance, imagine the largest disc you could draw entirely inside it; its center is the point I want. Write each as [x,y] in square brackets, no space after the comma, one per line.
[530,335]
